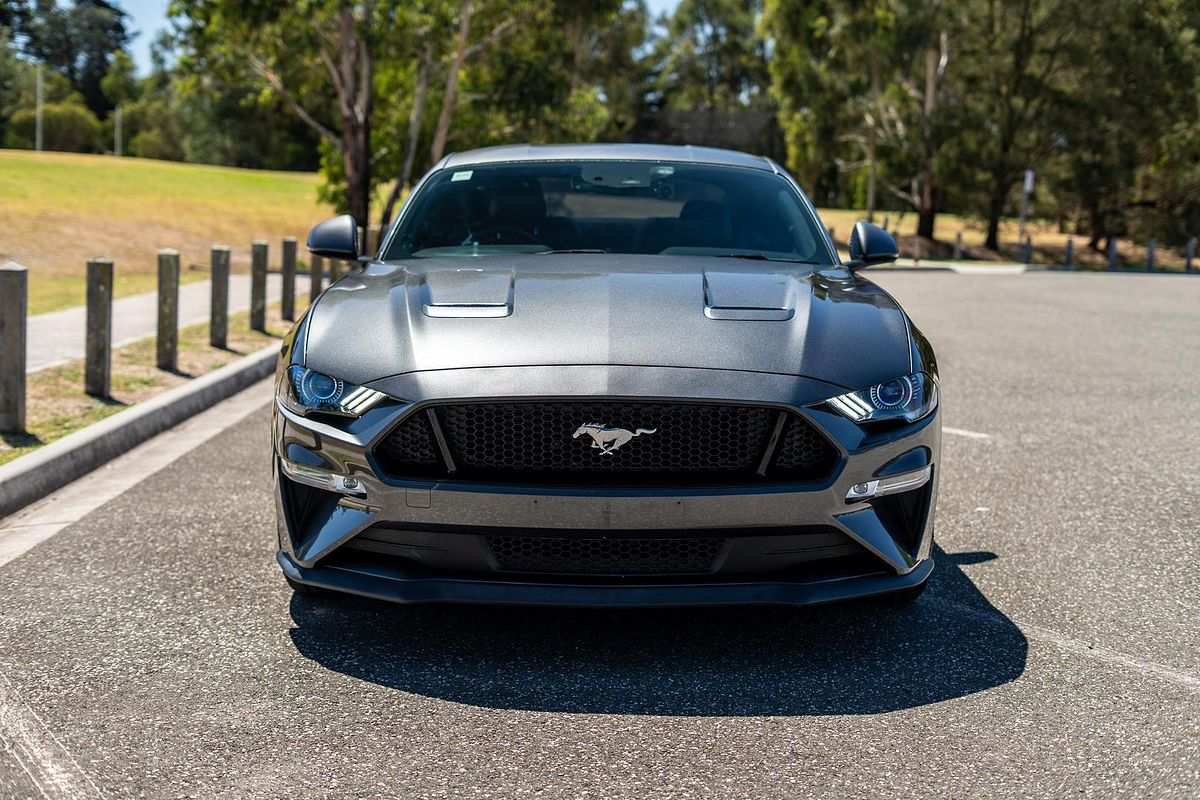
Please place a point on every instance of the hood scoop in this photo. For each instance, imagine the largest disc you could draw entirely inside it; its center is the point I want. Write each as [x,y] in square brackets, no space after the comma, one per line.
[749,296]
[467,293]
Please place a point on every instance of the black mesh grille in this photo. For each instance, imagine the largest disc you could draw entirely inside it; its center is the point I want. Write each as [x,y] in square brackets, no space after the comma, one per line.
[410,449]
[802,453]
[605,556]
[677,444]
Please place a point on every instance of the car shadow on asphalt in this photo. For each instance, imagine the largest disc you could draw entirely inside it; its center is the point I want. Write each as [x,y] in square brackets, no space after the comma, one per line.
[864,657]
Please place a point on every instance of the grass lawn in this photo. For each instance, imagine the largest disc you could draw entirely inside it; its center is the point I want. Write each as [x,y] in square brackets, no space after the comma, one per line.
[57,406]
[60,209]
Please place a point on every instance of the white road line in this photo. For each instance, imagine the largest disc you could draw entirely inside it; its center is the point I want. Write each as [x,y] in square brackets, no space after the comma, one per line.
[38,522]
[1079,646]
[48,764]
[966,433]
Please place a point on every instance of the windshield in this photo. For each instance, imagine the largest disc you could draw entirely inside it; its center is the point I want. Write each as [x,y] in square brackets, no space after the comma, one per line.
[651,208]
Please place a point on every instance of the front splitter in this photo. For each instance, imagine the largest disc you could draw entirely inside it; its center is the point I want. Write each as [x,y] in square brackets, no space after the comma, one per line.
[401,586]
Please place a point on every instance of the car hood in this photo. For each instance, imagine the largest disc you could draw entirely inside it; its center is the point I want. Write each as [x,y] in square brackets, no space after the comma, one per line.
[582,309]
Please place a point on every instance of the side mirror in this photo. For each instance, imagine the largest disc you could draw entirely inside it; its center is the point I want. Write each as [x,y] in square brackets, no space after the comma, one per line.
[335,238]
[871,244]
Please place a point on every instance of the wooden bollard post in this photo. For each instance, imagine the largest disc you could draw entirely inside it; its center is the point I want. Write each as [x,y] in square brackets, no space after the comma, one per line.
[218,325]
[1151,246]
[1191,254]
[1070,253]
[168,310]
[287,300]
[958,246]
[316,276]
[14,304]
[1112,253]
[258,286]
[97,369]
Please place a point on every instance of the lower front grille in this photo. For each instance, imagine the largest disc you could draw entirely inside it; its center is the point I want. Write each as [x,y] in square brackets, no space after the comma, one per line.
[635,556]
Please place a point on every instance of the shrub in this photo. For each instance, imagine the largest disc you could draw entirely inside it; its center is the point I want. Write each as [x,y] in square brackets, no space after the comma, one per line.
[68,125]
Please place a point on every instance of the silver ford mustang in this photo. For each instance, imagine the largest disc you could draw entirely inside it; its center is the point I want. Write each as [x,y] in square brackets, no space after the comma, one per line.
[618,375]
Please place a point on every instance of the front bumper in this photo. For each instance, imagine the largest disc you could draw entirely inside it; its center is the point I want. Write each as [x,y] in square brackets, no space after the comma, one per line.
[422,541]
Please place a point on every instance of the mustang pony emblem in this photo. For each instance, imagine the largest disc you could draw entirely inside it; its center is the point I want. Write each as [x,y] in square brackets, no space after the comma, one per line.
[606,439]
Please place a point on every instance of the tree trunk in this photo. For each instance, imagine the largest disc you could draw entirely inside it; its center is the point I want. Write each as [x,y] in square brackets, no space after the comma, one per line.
[926,213]
[353,77]
[450,95]
[356,160]
[872,167]
[414,133]
[995,211]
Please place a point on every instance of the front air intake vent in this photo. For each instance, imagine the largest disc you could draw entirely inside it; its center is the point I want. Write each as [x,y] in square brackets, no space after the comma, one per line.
[664,444]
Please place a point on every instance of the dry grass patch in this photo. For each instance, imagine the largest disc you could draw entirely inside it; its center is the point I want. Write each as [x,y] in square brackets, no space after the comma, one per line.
[1049,244]
[57,406]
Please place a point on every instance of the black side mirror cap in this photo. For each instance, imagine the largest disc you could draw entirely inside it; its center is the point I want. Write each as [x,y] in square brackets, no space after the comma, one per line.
[335,238]
[871,244]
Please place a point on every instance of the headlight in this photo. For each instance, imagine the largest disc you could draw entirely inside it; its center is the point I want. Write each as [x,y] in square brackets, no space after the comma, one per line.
[909,398]
[308,390]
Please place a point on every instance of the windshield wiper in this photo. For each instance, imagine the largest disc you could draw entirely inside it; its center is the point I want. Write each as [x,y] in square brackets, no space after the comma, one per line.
[761,257]
[572,251]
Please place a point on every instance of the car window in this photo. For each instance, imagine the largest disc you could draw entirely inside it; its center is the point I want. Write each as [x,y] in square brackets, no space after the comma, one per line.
[642,207]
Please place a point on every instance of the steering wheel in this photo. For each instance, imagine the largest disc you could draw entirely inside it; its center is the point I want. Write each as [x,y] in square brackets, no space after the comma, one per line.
[499,232]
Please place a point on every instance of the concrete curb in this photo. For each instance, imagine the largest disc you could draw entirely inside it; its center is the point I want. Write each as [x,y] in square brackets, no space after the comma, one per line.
[33,476]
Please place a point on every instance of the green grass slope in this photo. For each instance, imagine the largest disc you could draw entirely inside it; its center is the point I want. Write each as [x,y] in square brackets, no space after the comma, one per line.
[57,210]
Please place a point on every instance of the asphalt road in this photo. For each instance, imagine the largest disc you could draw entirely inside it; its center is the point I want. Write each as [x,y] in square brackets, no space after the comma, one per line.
[152,649]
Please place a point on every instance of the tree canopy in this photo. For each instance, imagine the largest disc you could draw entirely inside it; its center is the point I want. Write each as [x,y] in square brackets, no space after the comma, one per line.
[928,105]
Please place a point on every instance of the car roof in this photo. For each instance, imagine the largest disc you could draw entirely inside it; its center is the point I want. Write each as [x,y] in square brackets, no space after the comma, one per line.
[606,152]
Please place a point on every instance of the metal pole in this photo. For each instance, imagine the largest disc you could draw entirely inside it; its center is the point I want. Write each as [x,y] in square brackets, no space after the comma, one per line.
[117,131]
[1027,190]
[14,303]
[168,310]
[1191,253]
[218,328]
[258,286]
[1151,246]
[1028,249]
[37,125]
[1112,253]
[97,370]
[958,246]
[1070,252]
[287,303]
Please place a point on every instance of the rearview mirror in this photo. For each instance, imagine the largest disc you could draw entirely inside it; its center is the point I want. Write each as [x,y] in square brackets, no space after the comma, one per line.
[335,238]
[871,244]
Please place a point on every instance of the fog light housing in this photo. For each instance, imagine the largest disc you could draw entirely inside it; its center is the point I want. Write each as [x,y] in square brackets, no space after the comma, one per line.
[893,484]
[322,479]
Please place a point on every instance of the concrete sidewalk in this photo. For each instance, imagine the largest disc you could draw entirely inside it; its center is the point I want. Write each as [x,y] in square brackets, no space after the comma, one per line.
[54,338]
